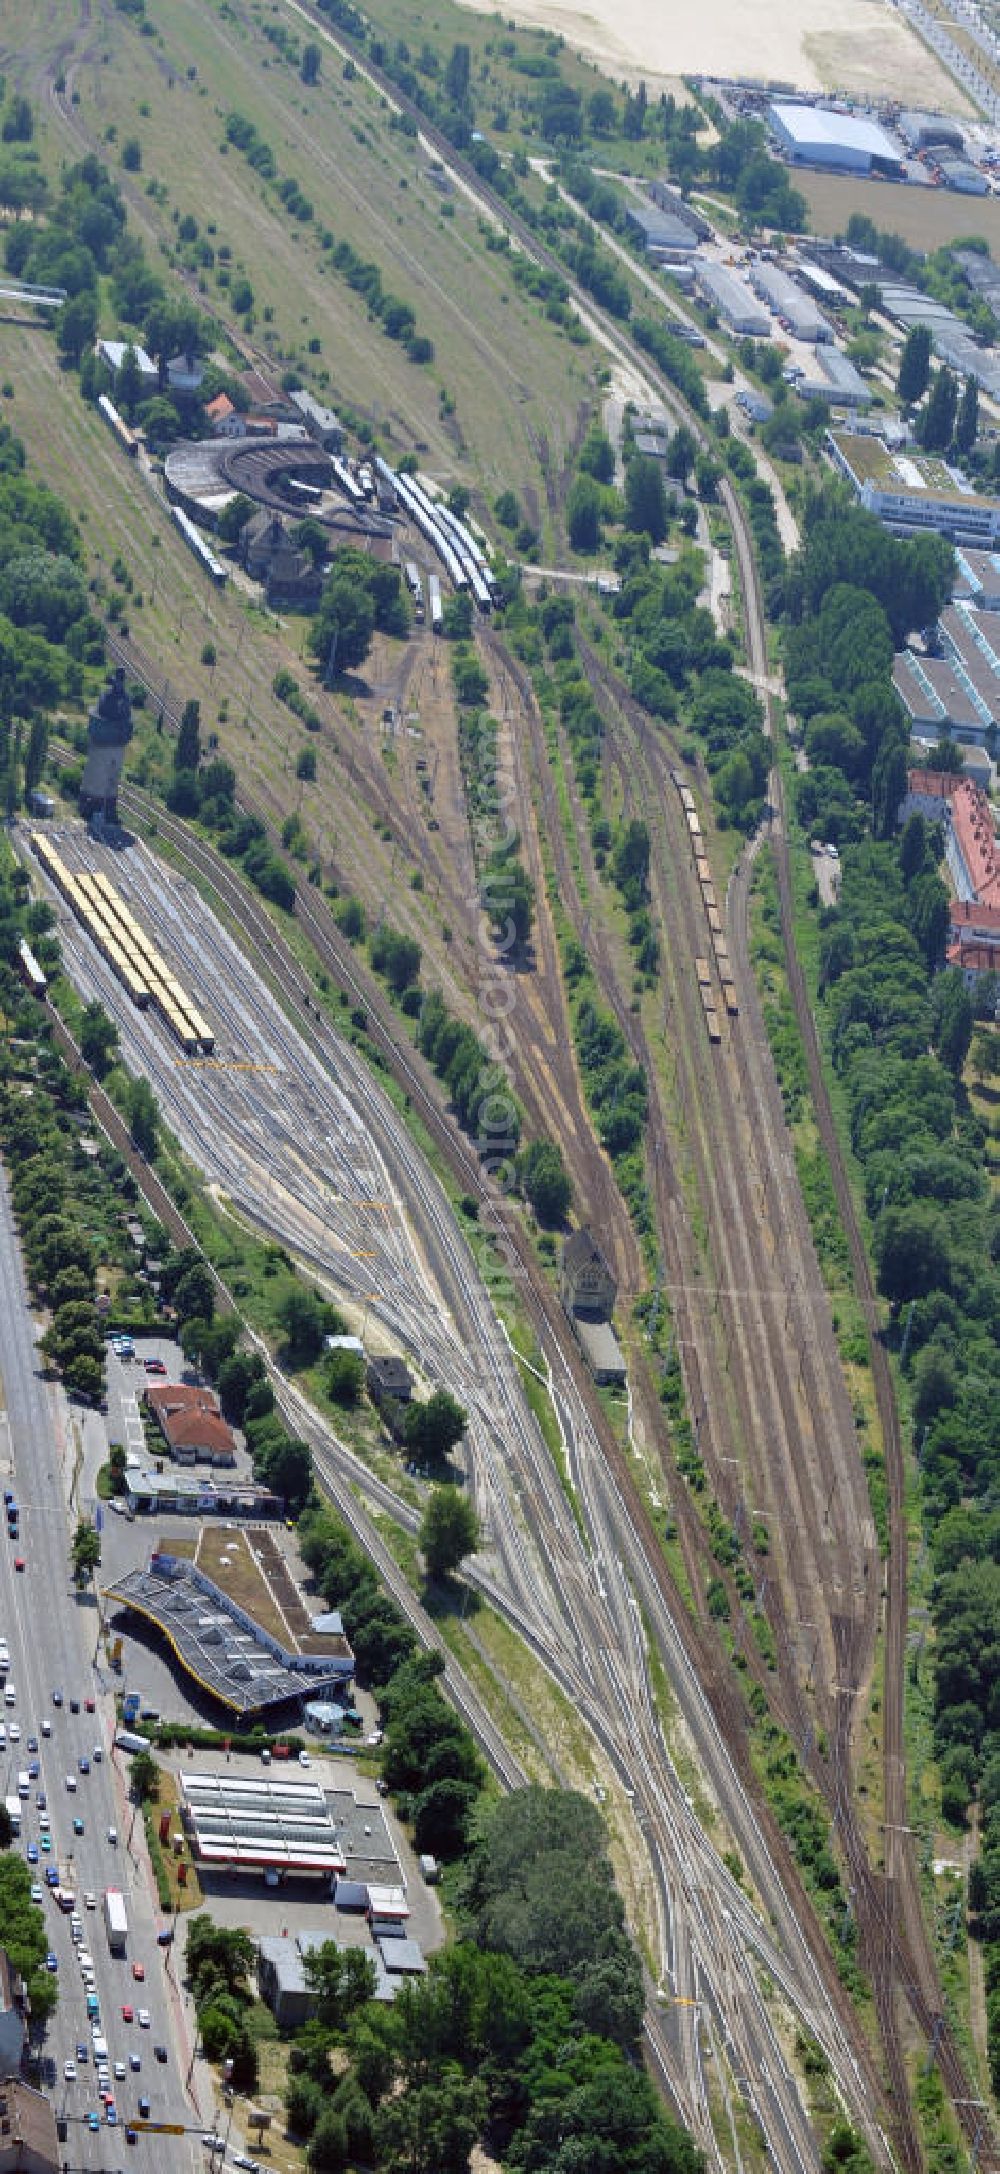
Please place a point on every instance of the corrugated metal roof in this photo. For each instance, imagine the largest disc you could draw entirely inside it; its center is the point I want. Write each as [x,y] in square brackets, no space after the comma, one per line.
[808,126]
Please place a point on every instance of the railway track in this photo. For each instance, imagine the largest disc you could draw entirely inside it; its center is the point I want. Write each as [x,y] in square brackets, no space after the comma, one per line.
[661,1596]
[901,1850]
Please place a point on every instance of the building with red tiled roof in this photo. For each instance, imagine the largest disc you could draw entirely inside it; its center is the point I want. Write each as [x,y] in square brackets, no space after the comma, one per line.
[223,418]
[977,873]
[191,1424]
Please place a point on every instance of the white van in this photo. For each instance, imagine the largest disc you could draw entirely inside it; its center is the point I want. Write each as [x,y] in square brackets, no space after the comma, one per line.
[100,2047]
[24,1784]
[10,1695]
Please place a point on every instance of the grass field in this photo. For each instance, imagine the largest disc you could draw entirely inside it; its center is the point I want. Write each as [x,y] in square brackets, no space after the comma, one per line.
[515,381]
[925,218]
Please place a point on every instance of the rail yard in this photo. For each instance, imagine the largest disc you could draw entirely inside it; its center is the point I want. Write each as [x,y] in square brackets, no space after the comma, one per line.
[292,1131]
[261,1126]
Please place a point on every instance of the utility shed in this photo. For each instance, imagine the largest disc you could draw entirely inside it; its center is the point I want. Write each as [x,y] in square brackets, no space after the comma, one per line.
[602,1351]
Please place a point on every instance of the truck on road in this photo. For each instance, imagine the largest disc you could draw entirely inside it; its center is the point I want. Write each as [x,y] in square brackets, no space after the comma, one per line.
[115,1919]
[14,1814]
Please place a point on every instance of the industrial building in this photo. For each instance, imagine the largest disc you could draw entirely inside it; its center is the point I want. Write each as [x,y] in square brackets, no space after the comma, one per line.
[667,198]
[171,1493]
[914,494]
[841,383]
[661,233]
[929,131]
[960,174]
[321,423]
[844,143]
[954,343]
[733,302]
[796,312]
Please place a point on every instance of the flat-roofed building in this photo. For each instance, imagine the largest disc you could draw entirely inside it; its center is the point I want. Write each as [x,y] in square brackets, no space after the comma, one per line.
[846,143]
[915,493]
[733,301]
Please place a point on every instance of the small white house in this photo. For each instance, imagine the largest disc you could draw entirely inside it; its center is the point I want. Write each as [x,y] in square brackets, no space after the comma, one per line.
[113,352]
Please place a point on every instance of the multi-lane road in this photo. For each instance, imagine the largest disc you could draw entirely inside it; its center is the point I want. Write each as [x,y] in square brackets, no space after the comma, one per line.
[52,1636]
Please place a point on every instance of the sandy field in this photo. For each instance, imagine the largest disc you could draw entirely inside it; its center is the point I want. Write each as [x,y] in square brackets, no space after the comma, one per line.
[857,45]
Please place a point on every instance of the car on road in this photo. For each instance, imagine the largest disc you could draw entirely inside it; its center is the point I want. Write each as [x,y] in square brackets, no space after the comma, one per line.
[78,1826]
[51,1961]
[32,1853]
[213,2143]
[15,1732]
[69,2071]
[84,1765]
[19,1562]
[154,1366]
[128,2013]
[144,2109]
[135,2062]
[93,2123]
[52,1875]
[83,2051]
[36,1891]
[74,1705]
[71,1783]
[160,2052]
[165,1936]
[32,1743]
[304,1759]
[113,1837]
[139,1972]
[249,2166]
[34,1770]
[57,1698]
[120,2071]
[111,2115]
[46,1728]
[42,1801]
[47,1844]
[90,1706]
[144,2019]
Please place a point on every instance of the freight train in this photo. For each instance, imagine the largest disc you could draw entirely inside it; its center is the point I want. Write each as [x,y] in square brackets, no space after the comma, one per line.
[124,944]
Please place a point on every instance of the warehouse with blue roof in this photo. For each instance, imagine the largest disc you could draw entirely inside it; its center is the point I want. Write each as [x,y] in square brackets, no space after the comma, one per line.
[843,143]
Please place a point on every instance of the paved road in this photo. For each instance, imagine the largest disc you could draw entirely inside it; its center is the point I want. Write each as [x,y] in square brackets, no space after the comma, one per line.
[52,1634]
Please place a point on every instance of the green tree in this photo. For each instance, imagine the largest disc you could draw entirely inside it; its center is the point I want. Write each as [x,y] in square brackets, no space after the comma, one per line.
[951,1010]
[144,1775]
[98,1039]
[431,2128]
[449,1531]
[597,455]
[583,514]
[544,1180]
[345,1376]
[128,383]
[344,624]
[911,1251]
[187,748]
[967,419]
[458,74]
[194,1293]
[602,113]
[310,66]
[303,1316]
[432,1430]
[141,1112]
[914,365]
[76,326]
[85,1552]
[937,424]
[681,454]
[341,1981]
[645,500]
